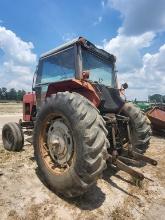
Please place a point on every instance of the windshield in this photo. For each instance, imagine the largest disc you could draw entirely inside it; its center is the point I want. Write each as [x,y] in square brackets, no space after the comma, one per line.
[60,66]
[100,70]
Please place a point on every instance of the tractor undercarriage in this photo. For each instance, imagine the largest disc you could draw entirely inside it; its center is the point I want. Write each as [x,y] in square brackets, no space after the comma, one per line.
[122,153]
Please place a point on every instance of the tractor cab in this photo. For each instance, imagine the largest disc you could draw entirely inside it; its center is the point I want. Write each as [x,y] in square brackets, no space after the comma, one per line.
[81,67]
[71,60]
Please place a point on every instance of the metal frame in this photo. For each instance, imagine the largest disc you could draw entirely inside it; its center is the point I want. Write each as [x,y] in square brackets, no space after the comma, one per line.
[78,61]
[127,154]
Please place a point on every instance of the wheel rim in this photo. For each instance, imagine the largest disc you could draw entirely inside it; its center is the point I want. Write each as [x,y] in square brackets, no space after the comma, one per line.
[60,142]
[56,144]
[8,137]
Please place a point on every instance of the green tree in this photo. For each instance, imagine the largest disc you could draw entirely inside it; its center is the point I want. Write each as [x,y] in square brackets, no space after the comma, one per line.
[0,93]
[156,98]
[20,95]
[4,93]
[12,94]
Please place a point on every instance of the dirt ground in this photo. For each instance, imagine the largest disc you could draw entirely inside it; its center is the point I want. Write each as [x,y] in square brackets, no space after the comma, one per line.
[10,108]
[24,196]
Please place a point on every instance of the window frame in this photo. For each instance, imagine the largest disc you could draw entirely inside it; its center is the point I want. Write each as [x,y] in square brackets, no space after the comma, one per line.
[101,57]
[78,64]
[40,66]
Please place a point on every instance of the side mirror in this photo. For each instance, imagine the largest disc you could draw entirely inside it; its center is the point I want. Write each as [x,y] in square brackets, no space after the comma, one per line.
[125,86]
[85,75]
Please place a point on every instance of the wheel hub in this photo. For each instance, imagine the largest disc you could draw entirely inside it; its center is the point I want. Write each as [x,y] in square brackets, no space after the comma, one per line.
[60,142]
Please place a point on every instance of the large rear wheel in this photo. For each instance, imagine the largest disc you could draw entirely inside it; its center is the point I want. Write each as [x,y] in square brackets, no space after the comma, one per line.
[70,143]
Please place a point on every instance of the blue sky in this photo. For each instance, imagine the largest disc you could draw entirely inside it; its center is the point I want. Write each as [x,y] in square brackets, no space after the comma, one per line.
[133,30]
[48,23]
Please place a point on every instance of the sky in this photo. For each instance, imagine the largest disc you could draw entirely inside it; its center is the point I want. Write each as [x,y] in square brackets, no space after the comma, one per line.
[134,31]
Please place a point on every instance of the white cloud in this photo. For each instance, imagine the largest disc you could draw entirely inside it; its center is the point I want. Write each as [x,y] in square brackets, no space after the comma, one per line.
[154,70]
[142,20]
[98,21]
[17,62]
[103,3]
[140,16]
[144,73]
[127,50]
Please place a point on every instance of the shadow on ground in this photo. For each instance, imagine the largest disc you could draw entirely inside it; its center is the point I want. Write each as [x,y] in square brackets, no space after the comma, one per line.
[94,198]
[89,201]
[111,172]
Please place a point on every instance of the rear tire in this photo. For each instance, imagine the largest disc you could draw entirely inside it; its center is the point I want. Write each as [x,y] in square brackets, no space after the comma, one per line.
[90,144]
[139,126]
[12,136]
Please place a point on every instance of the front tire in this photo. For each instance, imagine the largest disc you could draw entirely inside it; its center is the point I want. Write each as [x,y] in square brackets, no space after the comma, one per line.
[13,137]
[72,116]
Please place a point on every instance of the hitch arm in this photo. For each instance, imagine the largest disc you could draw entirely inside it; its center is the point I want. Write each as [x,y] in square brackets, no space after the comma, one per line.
[144,158]
[129,170]
[122,166]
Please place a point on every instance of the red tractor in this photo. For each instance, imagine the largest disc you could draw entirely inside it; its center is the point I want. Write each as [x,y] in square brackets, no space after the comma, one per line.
[78,119]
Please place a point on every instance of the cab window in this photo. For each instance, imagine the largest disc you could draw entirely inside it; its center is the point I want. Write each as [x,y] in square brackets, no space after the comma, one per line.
[57,67]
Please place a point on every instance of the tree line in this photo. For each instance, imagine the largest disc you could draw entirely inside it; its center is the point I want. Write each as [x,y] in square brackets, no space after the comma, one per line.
[157,98]
[11,94]
[17,95]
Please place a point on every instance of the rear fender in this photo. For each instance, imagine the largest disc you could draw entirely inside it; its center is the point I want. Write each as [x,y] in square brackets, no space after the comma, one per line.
[79,86]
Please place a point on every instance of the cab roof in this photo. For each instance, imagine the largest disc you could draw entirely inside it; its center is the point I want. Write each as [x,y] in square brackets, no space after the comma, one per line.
[61,47]
[81,41]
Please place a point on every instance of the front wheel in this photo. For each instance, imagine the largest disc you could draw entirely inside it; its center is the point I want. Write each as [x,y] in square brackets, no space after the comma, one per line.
[13,137]
[70,143]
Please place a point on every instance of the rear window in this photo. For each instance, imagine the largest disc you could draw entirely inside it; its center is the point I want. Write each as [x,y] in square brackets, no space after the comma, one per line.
[58,67]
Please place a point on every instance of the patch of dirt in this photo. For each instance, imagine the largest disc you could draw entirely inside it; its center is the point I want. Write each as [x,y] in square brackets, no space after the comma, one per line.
[10,108]
[24,196]
[121,213]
